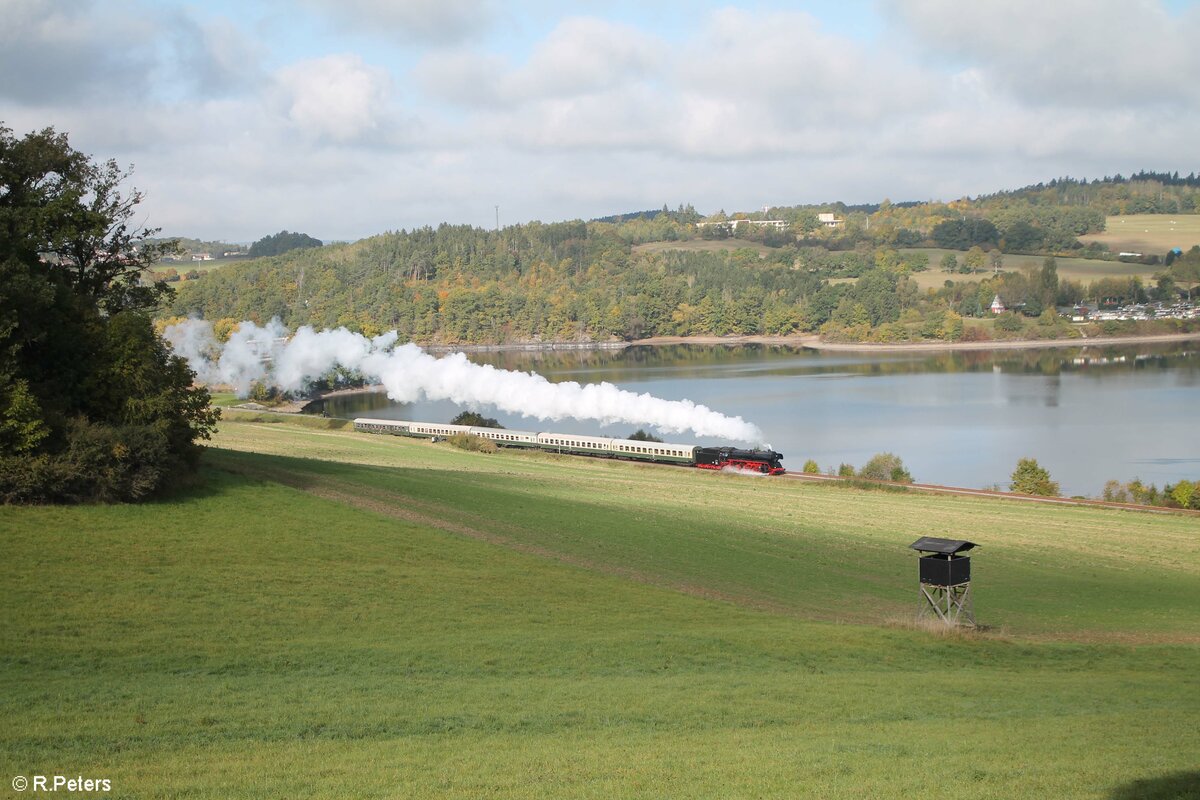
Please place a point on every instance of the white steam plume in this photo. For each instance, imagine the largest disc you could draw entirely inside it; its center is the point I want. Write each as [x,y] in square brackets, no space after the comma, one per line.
[408,373]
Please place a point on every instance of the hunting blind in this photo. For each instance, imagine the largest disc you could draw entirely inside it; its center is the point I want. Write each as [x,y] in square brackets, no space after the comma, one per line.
[945,580]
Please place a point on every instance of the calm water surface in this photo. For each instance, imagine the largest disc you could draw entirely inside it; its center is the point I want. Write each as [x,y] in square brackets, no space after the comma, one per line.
[1086,414]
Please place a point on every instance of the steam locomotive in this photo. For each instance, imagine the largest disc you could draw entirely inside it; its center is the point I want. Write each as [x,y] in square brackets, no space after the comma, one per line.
[765,462]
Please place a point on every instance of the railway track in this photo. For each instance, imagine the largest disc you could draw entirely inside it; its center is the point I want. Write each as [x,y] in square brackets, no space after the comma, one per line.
[1028,498]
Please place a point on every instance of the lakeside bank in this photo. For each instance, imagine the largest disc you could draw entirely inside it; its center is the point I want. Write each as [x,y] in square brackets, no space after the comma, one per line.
[815,343]
[809,342]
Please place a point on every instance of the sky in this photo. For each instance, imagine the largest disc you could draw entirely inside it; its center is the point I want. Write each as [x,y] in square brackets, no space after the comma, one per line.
[346,118]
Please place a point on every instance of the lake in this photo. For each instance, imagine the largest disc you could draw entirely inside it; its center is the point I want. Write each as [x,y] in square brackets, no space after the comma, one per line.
[958,418]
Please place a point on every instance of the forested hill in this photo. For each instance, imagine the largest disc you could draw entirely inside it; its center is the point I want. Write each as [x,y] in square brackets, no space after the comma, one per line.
[1140,193]
[1060,210]
[576,281]
[563,281]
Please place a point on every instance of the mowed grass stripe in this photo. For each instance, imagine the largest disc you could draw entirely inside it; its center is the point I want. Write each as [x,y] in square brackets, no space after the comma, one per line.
[798,547]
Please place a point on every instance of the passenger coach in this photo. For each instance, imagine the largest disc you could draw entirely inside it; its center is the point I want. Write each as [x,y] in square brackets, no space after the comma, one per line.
[766,462]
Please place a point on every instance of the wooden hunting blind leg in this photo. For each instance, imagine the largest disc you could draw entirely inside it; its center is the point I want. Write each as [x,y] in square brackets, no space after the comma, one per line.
[953,605]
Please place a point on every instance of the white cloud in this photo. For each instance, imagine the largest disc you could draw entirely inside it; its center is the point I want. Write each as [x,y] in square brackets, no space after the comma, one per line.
[214,58]
[748,85]
[1093,53]
[237,131]
[64,51]
[338,97]
[432,22]
[584,55]
[581,56]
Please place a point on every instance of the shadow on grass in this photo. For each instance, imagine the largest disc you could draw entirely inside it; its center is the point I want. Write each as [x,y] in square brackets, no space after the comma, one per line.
[222,470]
[1176,786]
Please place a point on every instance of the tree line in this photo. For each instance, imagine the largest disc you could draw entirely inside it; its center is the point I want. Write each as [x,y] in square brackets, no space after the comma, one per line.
[577,281]
[93,404]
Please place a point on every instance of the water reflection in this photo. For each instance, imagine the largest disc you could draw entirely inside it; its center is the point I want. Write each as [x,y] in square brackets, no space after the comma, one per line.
[1087,413]
[751,360]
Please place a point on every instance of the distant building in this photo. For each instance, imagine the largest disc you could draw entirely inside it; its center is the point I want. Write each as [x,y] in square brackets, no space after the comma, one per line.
[830,220]
[202,257]
[998,305]
[732,224]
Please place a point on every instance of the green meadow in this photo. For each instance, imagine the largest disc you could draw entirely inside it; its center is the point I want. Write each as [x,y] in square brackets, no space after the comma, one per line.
[1148,233]
[1082,270]
[329,614]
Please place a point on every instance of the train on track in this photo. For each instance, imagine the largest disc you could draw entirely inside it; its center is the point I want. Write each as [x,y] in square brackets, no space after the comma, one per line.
[765,462]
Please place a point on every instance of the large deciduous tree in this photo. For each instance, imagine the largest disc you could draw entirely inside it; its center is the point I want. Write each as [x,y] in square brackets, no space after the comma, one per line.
[93,405]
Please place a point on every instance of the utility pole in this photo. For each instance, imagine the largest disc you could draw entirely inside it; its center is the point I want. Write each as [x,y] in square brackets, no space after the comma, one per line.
[497,219]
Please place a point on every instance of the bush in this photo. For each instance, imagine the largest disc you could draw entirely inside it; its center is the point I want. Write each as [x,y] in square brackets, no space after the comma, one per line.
[845,470]
[1114,492]
[475,420]
[1009,322]
[101,463]
[1030,478]
[469,441]
[1135,492]
[1141,493]
[1184,494]
[975,334]
[811,467]
[885,467]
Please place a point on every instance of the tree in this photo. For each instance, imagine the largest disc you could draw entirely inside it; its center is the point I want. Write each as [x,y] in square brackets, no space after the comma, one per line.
[1185,270]
[1009,322]
[282,242]
[974,259]
[811,467]
[960,234]
[640,435]
[917,262]
[1048,278]
[1183,494]
[93,404]
[1030,478]
[949,263]
[1114,492]
[952,327]
[885,467]
[475,420]
[1021,237]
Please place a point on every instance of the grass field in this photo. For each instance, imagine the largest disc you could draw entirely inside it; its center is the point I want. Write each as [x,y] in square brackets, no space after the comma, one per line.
[333,614]
[1084,270]
[707,246]
[1148,233]
[202,267]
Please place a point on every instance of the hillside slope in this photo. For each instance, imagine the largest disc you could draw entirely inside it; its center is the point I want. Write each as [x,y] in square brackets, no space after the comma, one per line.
[339,615]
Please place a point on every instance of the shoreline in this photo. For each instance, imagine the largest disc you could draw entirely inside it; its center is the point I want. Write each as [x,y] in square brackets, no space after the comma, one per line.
[1011,344]
[813,342]
[807,341]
